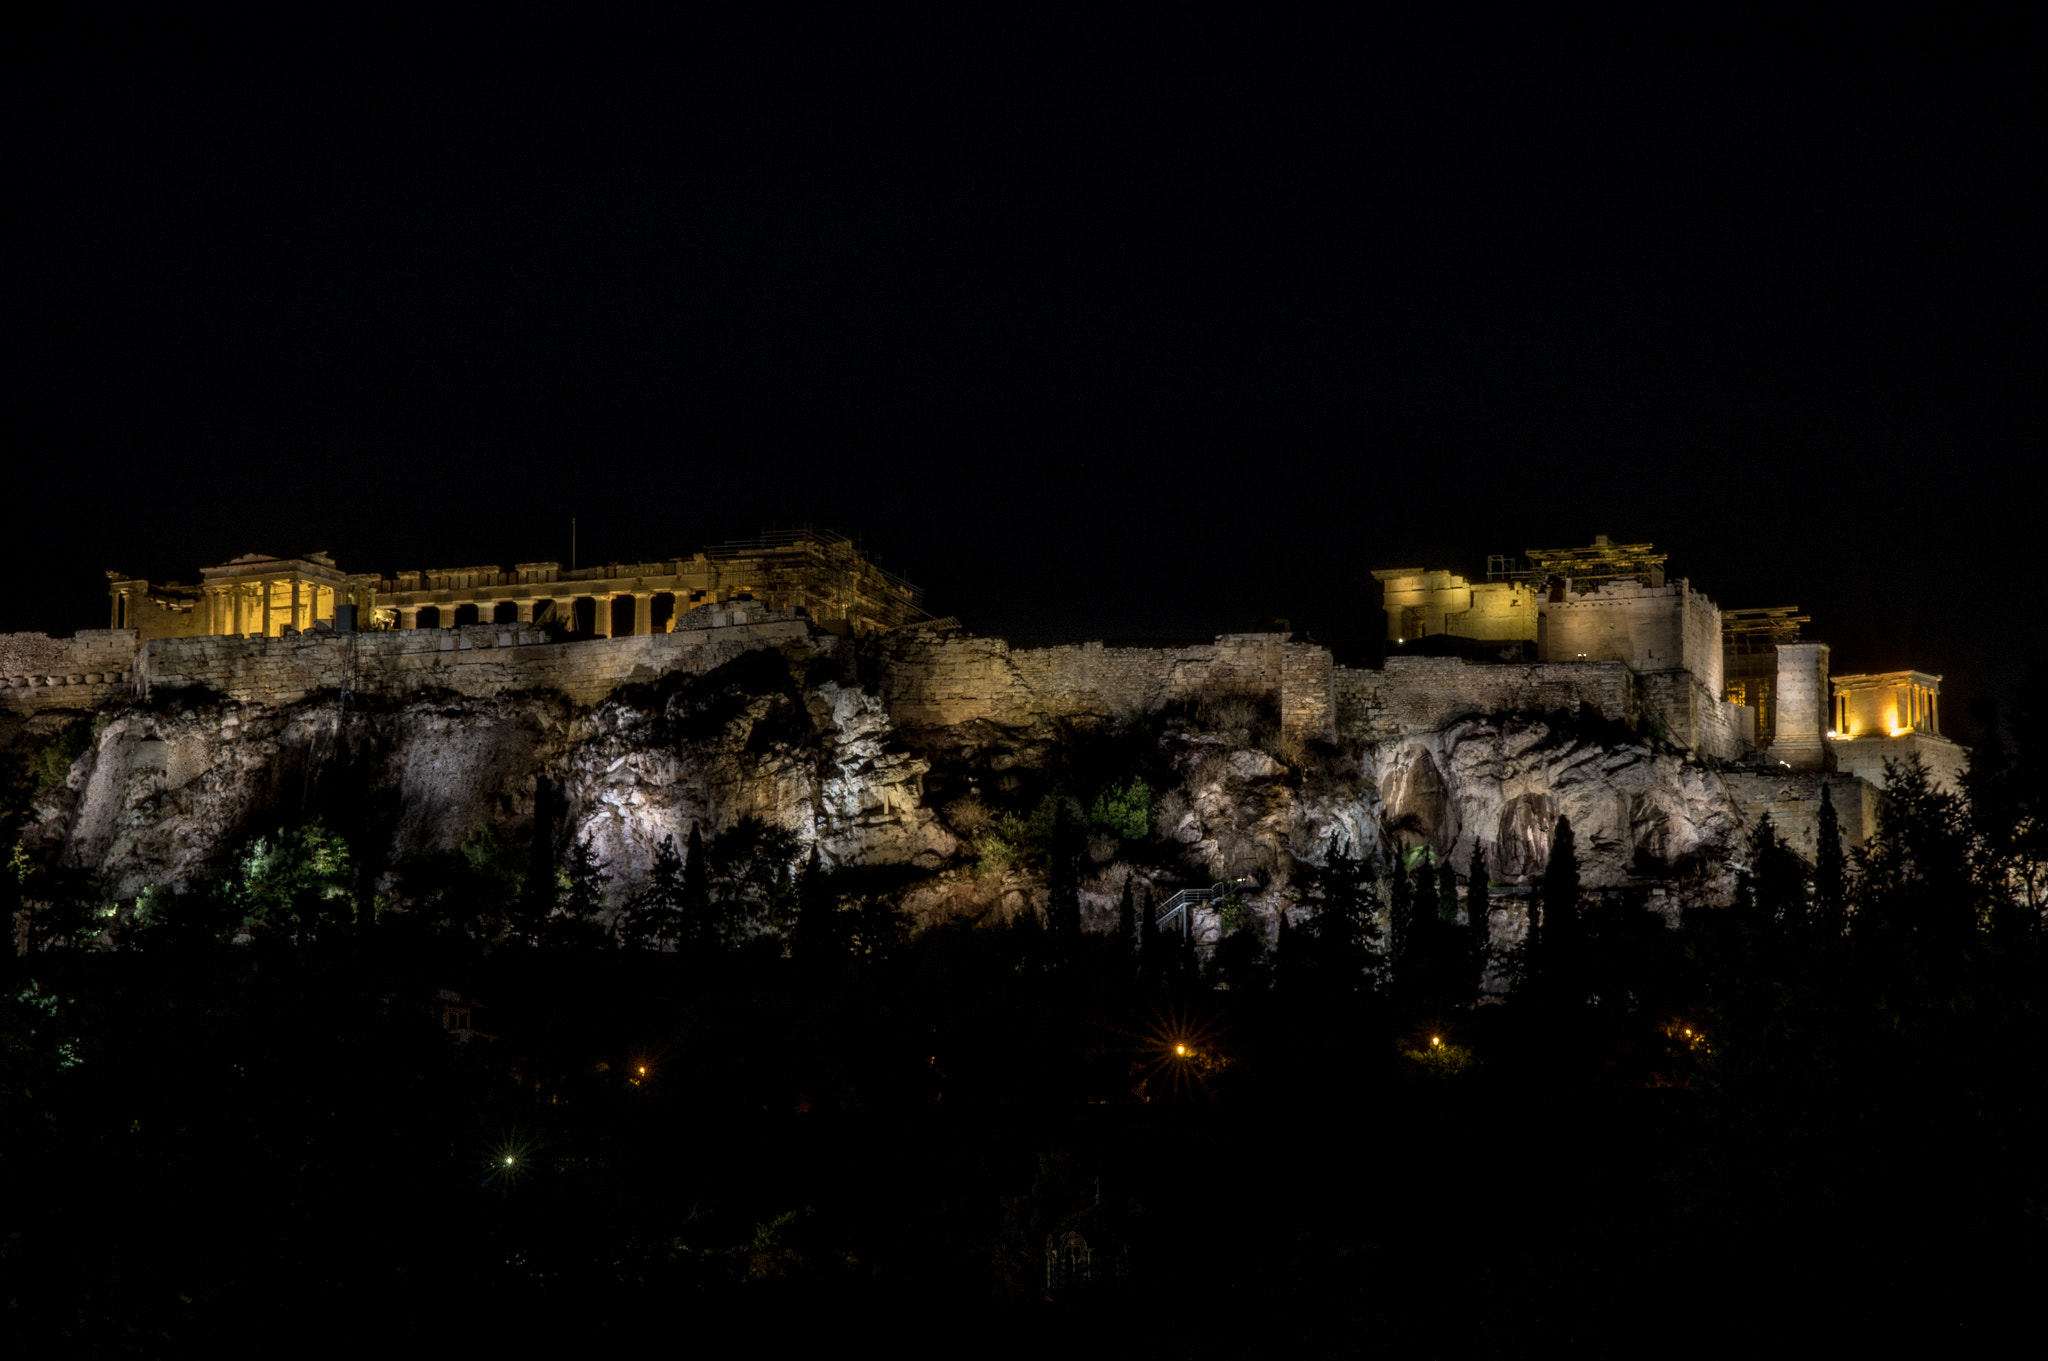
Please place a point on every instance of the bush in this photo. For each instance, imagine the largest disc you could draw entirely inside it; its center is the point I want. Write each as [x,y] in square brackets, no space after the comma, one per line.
[1125,811]
[54,759]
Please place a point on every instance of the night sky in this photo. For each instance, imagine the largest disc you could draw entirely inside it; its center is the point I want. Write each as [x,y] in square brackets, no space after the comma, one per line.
[1091,330]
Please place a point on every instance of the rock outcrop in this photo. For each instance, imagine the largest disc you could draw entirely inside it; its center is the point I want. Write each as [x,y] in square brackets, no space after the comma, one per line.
[793,735]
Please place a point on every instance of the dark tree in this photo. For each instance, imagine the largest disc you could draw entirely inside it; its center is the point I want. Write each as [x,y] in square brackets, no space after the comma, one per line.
[1554,913]
[1774,885]
[1343,924]
[1127,917]
[1830,874]
[1239,959]
[1401,936]
[654,919]
[1063,876]
[1447,894]
[1426,895]
[1150,958]
[816,936]
[583,899]
[1917,886]
[1479,910]
[535,903]
[700,922]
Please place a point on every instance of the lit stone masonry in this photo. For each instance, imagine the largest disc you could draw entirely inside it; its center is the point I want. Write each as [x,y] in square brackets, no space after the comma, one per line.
[822,573]
[479,660]
[883,739]
[1892,716]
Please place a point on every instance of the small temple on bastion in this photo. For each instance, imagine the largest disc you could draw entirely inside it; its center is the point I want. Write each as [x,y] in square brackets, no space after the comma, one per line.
[818,571]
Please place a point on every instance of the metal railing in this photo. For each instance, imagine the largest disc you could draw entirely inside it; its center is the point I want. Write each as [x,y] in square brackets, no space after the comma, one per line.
[1177,911]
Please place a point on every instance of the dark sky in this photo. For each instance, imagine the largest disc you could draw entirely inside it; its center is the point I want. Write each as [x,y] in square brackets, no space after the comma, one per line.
[1149,330]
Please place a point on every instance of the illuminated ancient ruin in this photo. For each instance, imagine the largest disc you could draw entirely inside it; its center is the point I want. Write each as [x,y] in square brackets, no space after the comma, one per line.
[1580,682]
[1727,683]
[822,573]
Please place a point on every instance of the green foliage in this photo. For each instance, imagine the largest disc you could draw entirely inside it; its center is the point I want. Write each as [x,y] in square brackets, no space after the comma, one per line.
[54,758]
[298,884]
[1124,810]
[1440,1061]
[998,854]
[654,919]
[1032,834]
[748,865]
[1830,872]
[583,881]
[488,857]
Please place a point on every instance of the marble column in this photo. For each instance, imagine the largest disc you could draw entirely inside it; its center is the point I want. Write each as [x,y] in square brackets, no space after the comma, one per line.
[643,613]
[408,616]
[522,611]
[295,606]
[601,617]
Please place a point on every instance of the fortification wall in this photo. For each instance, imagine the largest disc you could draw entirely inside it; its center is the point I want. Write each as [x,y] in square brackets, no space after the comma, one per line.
[1793,801]
[1652,628]
[478,660]
[931,681]
[1687,713]
[1946,762]
[1425,694]
[38,672]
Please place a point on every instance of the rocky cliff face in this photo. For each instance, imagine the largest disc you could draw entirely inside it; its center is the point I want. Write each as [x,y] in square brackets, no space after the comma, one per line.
[788,736]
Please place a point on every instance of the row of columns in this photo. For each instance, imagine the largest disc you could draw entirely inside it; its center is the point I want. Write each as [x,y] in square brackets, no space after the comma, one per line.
[643,611]
[247,607]
[1920,712]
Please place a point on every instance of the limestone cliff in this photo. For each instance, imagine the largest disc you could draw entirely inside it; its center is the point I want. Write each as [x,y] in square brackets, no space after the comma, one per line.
[837,745]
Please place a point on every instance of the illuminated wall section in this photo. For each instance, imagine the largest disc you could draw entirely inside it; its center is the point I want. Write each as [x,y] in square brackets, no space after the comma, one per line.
[1422,603]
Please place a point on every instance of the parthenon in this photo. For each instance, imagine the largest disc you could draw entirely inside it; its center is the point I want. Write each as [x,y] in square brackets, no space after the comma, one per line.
[820,572]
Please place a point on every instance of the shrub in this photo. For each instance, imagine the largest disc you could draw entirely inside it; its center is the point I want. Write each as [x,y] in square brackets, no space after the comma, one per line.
[1169,811]
[969,815]
[997,855]
[1125,811]
[54,759]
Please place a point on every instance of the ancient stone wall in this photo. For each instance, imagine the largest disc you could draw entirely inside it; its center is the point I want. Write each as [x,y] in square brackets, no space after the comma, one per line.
[39,672]
[1652,628]
[478,660]
[1423,694]
[1946,762]
[1686,712]
[933,681]
[1792,798]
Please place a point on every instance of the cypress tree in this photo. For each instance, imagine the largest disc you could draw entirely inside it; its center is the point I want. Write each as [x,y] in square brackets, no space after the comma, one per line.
[584,899]
[1401,917]
[1447,894]
[1341,924]
[655,917]
[1554,908]
[536,900]
[700,928]
[1777,882]
[815,937]
[1426,896]
[1478,910]
[1064,908]
[1127,917]
[1148,935]
[1830,877]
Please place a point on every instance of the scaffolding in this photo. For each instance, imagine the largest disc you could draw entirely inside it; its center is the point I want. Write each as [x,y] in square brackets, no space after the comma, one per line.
[1600,561]
[1760,630]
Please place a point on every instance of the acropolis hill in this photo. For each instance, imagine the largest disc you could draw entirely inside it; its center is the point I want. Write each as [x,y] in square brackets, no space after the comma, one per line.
[790,679]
